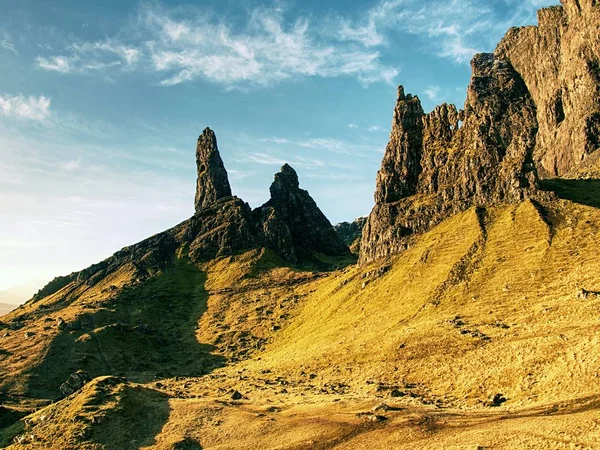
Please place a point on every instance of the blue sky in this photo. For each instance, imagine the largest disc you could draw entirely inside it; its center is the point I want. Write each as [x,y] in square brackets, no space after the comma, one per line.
[101,104]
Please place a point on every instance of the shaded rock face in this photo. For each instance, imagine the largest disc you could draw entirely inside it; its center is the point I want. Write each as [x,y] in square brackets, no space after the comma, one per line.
[446,161]
[213,183]
[292,223]
[559,61]
[351,233]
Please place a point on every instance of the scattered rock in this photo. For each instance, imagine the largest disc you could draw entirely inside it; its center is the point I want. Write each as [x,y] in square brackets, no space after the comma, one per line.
[369,416]
[236,396]
[397,393]
[498,400]
[75,382]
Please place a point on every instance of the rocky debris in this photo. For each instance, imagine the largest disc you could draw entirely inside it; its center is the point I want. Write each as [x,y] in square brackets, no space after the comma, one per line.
[212,183]
[559,61]
[75,382]
[370,417]
[584,294]
[497,400]
[236,395]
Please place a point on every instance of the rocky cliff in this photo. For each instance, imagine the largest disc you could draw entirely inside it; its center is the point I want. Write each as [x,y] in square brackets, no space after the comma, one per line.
[351,233]
[531,110]
[443,162]
[559,61]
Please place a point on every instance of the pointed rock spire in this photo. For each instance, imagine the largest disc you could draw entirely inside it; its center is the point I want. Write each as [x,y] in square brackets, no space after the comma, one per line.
[212,183]
[401,167]
[296,227]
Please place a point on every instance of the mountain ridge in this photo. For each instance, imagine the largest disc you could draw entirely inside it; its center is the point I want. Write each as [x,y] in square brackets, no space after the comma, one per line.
[470,320]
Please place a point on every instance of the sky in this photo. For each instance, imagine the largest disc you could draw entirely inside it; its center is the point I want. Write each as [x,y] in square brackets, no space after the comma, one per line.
[101,104]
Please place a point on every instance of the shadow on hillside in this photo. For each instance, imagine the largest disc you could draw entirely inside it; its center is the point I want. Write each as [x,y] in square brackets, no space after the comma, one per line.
[585,192]
[147,332]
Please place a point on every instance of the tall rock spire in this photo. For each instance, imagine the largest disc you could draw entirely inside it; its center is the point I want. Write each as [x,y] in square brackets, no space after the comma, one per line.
[401,167]
[212,183]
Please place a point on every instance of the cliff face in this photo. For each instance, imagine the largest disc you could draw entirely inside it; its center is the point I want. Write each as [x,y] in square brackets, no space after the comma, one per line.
[533,106]
[443,162]
[292,221]
[559,60]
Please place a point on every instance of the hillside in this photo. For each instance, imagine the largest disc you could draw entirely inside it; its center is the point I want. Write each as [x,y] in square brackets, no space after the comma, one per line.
[491,312]
[470,321]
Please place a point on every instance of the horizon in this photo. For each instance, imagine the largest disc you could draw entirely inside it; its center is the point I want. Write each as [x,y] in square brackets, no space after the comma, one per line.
[101,106]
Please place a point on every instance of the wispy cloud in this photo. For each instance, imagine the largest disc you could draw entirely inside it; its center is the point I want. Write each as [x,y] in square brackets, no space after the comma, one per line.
[92,56]
[267,49]
[6,43]
[452,29]
[328,144]
[25,108]
[375,129]
[432,92]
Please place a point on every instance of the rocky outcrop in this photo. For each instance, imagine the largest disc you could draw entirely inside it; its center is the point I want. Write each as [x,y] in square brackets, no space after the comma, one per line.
[292,223]
[559,61]
[351,233]
[212,183]
[532,106]
[443,162]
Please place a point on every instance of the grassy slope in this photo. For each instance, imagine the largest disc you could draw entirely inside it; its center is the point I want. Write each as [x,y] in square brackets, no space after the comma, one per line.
[483,304]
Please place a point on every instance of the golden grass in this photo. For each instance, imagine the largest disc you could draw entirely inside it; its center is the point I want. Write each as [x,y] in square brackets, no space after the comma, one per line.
[483,304]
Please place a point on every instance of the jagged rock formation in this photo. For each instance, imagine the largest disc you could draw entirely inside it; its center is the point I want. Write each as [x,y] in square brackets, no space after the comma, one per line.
[559,61]
[351,233]
[533,104]
[290,223]
[213,183]
[440,163]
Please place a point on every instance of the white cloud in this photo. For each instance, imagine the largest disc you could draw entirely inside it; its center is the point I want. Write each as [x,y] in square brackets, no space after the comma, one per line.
[72,165]
[266,49]
[6,43]
[432,92]
[276,140]
[92,56]
[352,125]
[328,144]
[375,129]
[60,64]
[25,108]
[452,29]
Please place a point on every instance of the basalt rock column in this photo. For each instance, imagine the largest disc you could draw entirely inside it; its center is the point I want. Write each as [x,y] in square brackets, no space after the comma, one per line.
[212,184]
